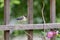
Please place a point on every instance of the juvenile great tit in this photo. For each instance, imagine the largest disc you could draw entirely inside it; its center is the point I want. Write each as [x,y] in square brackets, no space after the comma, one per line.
[21,20]
[18,20]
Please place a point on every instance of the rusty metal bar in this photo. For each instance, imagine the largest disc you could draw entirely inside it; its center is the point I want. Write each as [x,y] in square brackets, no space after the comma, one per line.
[30,17]
[52,13]
[6,17]
[30,26]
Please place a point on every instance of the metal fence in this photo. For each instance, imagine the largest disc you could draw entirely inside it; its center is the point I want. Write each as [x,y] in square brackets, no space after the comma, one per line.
[30,26]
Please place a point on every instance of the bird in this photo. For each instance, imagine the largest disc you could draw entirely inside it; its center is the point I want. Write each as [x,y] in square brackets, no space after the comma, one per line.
[18,20]
[22,20]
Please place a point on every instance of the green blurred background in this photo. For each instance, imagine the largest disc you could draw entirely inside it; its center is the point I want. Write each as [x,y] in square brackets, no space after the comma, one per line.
[19,8]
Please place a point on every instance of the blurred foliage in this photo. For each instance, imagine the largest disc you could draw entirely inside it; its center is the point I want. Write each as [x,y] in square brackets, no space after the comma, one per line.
[17,33]
[19,8]
[11,3]
[58,35]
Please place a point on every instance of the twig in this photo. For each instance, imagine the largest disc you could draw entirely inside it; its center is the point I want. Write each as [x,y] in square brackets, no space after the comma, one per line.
[28,34]
[43,18]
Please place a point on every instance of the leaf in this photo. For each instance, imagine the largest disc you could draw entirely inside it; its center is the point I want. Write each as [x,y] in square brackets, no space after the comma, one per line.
[58,35]
[1,0]
[16,2]
[36,3]
[39,20]
[57,20]
[45,1]
[1,5]
[43,33]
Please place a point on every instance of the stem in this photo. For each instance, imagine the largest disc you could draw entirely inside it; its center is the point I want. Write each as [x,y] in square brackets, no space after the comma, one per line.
[43,18]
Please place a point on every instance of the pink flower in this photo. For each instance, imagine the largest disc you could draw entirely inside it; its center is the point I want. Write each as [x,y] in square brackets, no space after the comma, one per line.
[50,34]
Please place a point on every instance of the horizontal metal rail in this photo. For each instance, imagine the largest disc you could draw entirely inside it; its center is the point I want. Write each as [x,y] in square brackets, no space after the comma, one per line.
[29,26]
